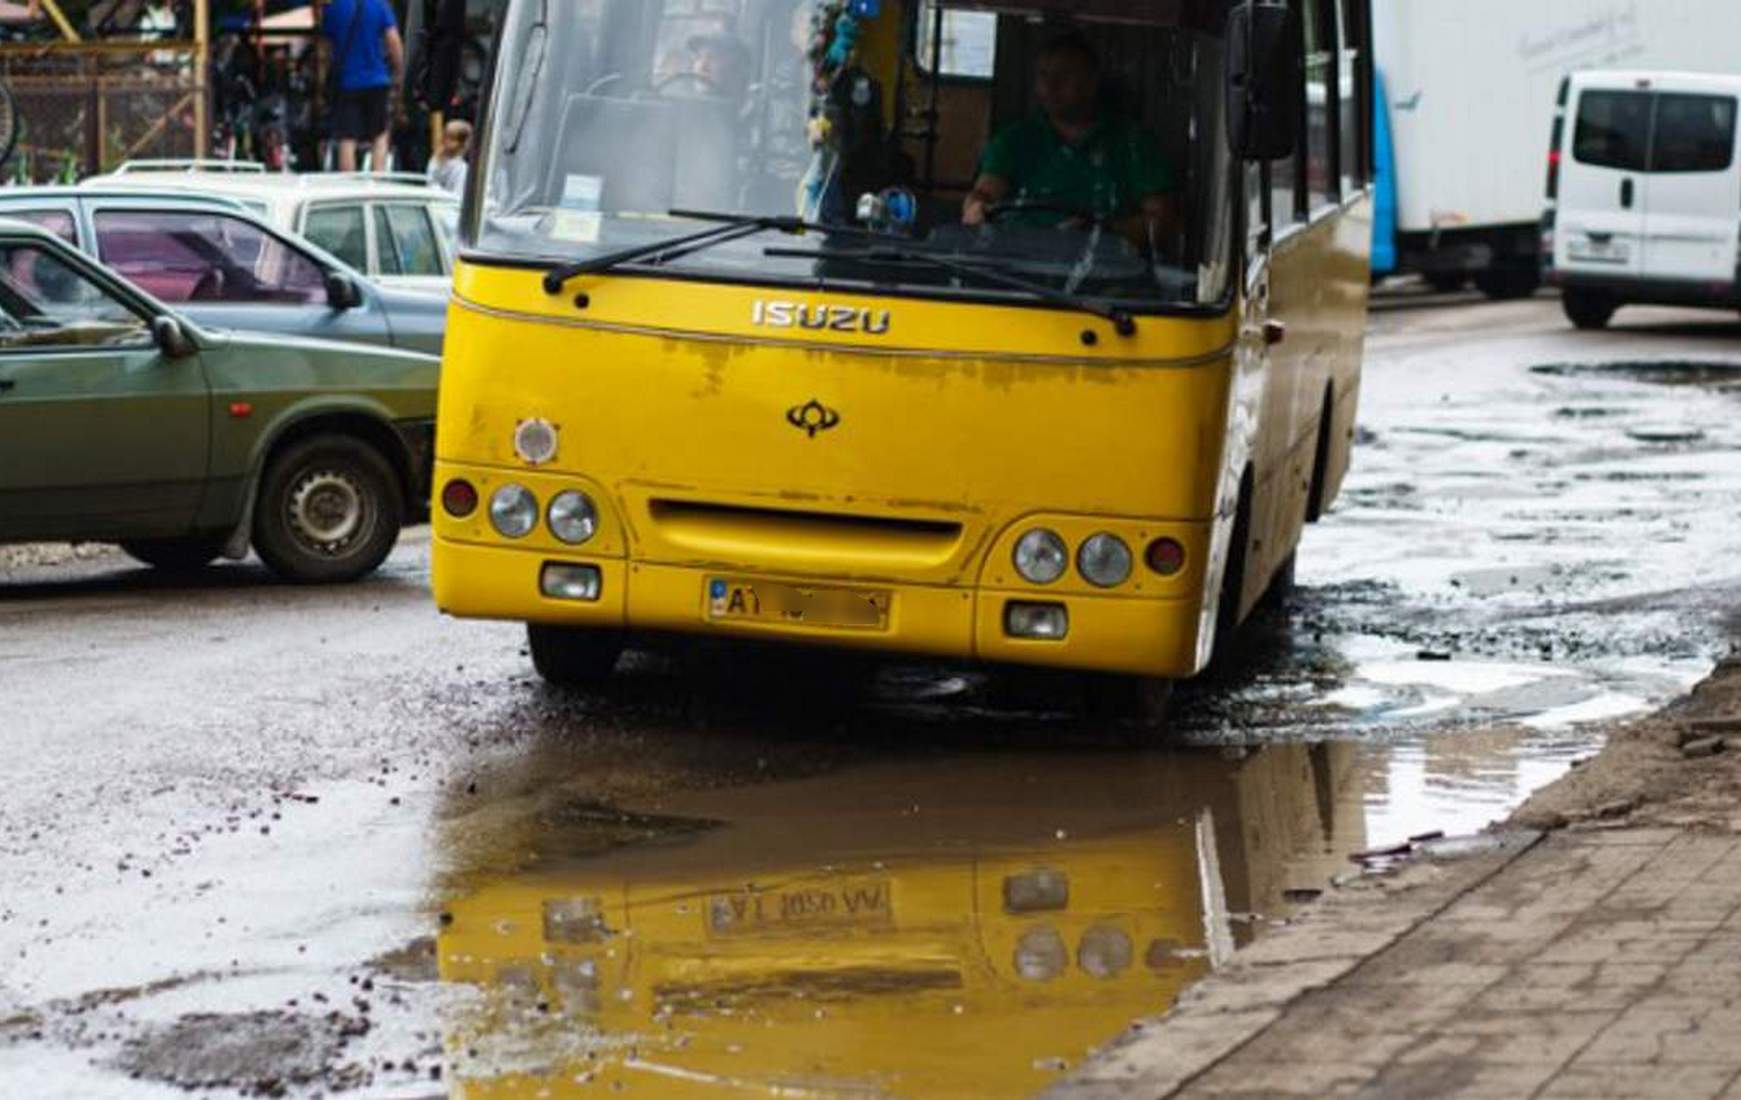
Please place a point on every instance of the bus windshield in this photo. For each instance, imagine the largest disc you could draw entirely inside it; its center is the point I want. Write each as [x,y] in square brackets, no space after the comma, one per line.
[948,151]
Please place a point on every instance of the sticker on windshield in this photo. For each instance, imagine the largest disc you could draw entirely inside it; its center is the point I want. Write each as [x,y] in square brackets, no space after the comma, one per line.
[583,192]
[578,226]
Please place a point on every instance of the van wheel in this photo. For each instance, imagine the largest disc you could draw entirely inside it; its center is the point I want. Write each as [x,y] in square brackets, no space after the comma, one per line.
[330,509]
[1504,285]
[176,555]
[1132,710]
[1587,310]
[568,657]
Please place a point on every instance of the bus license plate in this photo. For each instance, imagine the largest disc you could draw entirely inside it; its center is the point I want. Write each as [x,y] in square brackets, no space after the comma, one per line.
[850,904]
[789,605]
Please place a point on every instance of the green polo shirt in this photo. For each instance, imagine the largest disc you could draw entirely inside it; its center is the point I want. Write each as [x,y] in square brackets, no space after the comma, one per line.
[1109,172]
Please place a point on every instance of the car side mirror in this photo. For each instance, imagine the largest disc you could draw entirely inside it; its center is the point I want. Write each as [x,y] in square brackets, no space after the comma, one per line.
[342,291]
[1266,81]
[172,339]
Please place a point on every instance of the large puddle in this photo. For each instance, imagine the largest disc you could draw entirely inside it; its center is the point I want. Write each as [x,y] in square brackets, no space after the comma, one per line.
[958,927]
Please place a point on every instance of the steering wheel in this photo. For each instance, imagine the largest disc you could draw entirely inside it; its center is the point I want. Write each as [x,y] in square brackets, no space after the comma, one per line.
[702,85]
[998,211]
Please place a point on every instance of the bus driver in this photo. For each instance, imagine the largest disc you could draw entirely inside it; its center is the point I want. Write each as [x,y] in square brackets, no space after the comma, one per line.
[1072,159]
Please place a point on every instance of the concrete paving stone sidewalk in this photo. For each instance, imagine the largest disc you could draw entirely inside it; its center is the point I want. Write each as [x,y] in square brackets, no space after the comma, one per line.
[1596,964]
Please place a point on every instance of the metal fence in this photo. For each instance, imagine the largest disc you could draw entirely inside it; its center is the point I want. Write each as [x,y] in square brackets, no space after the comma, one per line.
[85,107]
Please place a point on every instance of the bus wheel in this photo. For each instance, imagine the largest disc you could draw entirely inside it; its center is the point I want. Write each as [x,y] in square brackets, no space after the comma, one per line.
[1134,709]
[1587,310]
[568,657]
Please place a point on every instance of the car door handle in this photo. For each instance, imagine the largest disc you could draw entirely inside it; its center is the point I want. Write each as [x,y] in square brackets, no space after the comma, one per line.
[1626,194]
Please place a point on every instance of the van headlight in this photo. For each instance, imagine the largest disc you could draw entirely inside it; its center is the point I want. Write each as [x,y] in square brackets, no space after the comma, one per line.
[513,511]
[1105,561]
[1041,556]
[573,517]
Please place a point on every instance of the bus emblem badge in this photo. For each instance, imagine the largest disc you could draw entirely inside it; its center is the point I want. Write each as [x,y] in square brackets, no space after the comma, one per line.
[813,418]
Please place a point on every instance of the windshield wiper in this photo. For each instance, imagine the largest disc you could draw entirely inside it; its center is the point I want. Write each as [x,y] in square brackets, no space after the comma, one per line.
[732,227]
[1121,321]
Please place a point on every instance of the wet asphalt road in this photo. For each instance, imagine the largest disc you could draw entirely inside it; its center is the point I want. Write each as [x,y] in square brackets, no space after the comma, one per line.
[278,840]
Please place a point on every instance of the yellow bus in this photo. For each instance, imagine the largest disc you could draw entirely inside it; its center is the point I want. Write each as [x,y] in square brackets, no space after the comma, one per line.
[1024,333]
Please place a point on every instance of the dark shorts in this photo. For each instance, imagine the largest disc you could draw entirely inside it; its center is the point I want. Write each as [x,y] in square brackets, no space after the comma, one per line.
[360,115]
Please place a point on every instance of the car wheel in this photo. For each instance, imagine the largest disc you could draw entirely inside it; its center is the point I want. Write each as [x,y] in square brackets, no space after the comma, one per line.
[329,511]
[1587,310]
[182,555]
[568,657]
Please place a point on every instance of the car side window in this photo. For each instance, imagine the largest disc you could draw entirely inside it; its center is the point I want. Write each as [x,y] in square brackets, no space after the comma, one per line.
[412,238]
[206,256]
[341,231]
[58,222]
[46,302]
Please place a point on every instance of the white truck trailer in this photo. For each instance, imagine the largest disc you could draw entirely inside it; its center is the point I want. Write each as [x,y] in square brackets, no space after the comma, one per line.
[1469,88]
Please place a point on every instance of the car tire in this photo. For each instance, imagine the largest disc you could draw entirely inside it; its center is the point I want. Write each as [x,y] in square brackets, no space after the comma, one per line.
[1587,310]
[569,657]
[182,555]
[329,510]
[1508,284]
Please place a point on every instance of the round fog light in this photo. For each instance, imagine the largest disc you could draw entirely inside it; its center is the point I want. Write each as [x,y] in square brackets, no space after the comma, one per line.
[1041,556]
[573,518]
[513,511]
[1104,952]
[1105,561]
[1040,955]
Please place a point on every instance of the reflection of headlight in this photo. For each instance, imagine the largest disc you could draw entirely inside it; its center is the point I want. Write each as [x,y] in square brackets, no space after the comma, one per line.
[1041,556]
[1041,954]
[1036,892]
[1104,952]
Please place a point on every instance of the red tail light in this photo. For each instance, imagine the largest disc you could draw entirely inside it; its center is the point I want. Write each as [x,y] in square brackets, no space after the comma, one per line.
[459,498]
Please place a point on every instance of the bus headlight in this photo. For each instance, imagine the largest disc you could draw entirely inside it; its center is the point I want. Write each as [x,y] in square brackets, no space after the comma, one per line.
[1105,561]
[573,518]
[513,511]
[1041,954]
[1104,952]
[1041,556]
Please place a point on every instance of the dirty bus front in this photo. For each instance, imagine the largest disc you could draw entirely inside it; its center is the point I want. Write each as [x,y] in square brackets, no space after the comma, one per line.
[738,350]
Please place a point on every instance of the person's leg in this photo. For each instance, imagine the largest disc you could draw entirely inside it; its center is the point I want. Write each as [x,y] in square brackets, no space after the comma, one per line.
[347,155]
[378,152]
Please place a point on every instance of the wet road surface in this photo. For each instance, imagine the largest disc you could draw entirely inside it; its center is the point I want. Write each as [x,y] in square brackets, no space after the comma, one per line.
[280,840]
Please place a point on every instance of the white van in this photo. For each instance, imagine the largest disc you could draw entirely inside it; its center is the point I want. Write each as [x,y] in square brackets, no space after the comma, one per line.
[1644,193]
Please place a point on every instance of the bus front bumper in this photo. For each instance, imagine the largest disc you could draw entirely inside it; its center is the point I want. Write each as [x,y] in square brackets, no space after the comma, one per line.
[1125,634]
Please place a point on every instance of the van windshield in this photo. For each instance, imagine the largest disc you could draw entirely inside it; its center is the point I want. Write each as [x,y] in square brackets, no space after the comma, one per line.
[1093,131]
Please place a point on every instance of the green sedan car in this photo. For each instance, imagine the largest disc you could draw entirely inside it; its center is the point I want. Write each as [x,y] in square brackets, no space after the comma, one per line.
[121,421]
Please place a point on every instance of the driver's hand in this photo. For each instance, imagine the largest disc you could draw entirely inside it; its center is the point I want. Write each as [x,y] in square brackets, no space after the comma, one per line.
[973,211]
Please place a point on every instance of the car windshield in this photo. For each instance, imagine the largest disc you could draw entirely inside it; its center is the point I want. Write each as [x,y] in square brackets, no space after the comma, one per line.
[1076,146]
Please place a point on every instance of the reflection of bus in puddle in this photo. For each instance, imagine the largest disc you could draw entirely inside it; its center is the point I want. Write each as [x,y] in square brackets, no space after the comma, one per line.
[973,944]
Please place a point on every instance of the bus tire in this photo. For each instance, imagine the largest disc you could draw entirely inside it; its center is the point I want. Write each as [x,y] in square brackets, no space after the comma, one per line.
[329,511]
[1134,710]
[1227,621]
[1588,310]
[570,657]
[1315,502]
[1508,284]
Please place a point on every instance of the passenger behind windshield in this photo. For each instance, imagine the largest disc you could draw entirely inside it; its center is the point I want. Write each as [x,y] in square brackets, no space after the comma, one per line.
[1074,162]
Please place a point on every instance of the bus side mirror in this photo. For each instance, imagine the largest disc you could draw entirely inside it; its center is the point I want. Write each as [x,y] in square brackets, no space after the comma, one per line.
[1266,82]
[440,49]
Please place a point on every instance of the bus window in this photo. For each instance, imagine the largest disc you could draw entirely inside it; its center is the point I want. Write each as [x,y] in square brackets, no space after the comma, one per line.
[1321,171]
[642,108]
[966,48]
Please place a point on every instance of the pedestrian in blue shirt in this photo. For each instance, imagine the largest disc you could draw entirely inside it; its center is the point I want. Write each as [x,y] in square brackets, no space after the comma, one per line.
[368,63]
